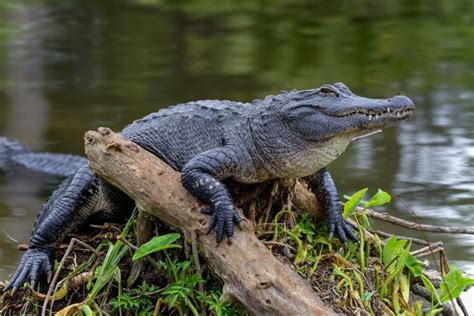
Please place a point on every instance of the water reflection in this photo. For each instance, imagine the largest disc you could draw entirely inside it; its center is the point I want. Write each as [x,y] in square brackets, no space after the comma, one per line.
[70,66]
[26,119]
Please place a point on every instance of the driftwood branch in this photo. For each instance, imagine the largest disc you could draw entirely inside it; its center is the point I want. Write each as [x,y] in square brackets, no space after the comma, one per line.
[415,226]
[388,235]
[251,274]
[307,201]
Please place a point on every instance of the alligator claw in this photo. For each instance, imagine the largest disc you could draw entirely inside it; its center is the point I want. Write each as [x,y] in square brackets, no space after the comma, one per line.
[212,223]
[331,228]
[350,232]
[33,264]
[49,273]
[237,220]
[339,226]
[223,220]
[341,232]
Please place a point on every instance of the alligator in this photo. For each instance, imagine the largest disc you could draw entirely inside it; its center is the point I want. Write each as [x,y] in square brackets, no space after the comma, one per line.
[13,153]
[294,134]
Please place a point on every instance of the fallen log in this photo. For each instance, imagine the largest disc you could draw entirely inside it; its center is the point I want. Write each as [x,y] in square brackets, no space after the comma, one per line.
[251,274]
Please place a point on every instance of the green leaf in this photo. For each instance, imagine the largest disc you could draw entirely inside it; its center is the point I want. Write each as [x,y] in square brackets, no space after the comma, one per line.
[156,244]
[365,297]
[417,307]
[402,260]
[453,285]
[390,277]
[353,202]
[434,312]
[379,198]
[405,287]
[87,310]
[391,250]
[172,300]
[413,265]
[430,287]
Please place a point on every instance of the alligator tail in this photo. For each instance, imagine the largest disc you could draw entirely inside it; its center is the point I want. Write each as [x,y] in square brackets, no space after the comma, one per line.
[57,164]
[13,152]
[8,148]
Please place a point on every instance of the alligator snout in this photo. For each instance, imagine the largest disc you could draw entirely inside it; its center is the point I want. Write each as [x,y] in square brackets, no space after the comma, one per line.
[401,101]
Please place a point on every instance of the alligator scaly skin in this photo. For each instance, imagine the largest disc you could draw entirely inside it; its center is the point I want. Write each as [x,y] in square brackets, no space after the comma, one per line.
[294,134]
[12,152]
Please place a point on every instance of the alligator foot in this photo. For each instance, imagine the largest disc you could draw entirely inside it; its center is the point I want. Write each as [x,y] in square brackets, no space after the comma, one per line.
[336,224]
[223,220]
[323,186]
[34,263]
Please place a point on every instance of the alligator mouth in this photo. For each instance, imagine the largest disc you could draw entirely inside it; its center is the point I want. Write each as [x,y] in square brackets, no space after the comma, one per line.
[374,114]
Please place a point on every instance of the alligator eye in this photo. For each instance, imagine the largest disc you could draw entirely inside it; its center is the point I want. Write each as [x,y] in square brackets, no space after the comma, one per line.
[326,92]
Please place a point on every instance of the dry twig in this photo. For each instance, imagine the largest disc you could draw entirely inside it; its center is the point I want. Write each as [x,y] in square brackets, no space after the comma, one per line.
[415,226]
[61,264]
[427,250]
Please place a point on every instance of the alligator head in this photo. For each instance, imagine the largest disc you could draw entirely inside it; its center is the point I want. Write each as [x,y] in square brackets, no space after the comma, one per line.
[333,110]
[308,129]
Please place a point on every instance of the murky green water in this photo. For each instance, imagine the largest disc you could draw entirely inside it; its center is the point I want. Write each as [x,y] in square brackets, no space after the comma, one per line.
[70,66]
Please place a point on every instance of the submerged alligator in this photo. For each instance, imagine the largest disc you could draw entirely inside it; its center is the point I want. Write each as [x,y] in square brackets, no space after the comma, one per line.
[14,153]
[290,135]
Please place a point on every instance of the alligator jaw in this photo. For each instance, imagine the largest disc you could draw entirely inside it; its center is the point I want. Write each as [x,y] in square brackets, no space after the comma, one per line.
[373,114]
[384,117]
[386,112]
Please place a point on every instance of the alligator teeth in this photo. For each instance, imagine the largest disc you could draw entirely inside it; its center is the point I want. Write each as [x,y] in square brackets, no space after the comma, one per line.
[370,117]
[388,110]
[398,114]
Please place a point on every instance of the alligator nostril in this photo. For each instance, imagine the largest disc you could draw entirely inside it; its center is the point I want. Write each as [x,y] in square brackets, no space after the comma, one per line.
[402,101]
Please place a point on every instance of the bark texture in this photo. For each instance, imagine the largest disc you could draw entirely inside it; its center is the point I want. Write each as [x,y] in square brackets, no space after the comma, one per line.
[251,274]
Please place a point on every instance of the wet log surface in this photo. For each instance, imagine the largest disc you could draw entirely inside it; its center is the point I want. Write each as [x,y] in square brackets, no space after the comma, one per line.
[251,274]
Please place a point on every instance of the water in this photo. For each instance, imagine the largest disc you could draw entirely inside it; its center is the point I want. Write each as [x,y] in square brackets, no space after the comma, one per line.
[70,66]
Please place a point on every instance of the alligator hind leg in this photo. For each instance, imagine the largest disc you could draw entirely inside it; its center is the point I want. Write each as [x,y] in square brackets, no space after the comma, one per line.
[67,208]
[323,186]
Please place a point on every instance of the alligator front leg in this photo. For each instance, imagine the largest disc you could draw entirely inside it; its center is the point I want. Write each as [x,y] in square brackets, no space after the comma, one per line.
[67,208]
[201,176]
[323,186]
